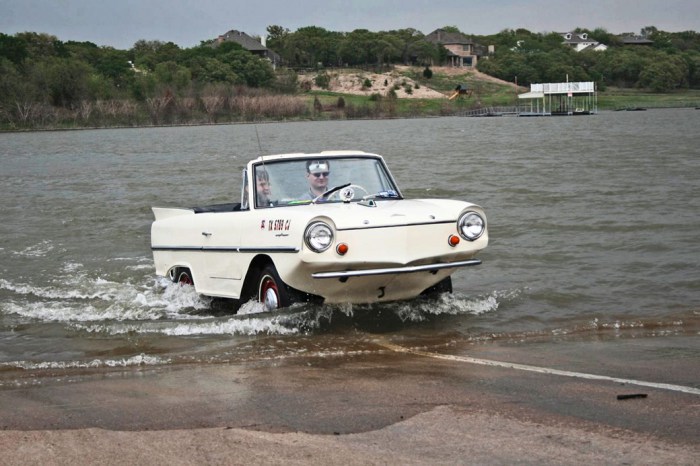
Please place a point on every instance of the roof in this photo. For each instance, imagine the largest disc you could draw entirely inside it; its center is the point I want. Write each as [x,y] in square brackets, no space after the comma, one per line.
[635,40]
[243,39]
[443,37]
[539,90]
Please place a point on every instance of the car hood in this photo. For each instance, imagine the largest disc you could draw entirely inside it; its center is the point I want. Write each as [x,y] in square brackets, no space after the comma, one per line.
[390,212]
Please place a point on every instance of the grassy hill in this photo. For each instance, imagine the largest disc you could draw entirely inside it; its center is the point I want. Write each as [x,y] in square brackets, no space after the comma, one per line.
[485,91]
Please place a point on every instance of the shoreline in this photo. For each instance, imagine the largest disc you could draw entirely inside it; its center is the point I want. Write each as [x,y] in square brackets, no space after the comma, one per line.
[367,407]
[308,120]
[443,435]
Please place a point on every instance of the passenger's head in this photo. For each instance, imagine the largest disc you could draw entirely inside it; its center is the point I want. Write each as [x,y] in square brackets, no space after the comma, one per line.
[317,172]
[262,186]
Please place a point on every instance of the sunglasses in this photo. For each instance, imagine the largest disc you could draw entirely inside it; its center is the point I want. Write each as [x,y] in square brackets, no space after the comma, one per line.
[324,174]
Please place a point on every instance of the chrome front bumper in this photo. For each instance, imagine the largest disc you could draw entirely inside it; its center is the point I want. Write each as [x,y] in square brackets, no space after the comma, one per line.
[396,270]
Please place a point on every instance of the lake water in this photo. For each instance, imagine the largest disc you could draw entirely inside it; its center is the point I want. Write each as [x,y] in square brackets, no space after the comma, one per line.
[593,220]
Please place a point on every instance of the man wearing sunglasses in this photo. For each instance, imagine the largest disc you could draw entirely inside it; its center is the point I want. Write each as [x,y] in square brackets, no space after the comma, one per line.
[317,172]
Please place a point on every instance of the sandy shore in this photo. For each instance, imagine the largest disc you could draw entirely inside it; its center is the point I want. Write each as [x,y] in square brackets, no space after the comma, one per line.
[443,435]
[369,408]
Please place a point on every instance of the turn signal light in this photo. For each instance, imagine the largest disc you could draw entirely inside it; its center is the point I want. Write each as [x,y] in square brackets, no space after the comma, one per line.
[342,249]
[453,240]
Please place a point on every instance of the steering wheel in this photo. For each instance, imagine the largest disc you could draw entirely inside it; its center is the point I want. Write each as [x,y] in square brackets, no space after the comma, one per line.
[347,193]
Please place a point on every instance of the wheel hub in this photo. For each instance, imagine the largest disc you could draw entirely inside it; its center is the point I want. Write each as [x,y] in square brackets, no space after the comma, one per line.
[271,299]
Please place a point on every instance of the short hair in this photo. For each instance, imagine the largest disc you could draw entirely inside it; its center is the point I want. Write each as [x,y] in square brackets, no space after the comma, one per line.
[261,174]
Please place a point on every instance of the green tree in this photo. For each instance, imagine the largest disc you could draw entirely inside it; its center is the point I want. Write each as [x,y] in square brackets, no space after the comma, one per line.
[664,74]
[13,48]
[356,47]
[276,38]
[171,74]
[311,45]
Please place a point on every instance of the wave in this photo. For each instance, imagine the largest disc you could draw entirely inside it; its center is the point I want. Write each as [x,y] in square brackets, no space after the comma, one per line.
[133,361]
[81,298]
[41,249]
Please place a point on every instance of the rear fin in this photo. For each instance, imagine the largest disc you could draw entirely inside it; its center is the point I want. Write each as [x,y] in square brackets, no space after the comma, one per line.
[161,213]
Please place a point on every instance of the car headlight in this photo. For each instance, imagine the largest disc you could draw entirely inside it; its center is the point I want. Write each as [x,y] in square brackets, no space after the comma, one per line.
[471,226]
[318,236]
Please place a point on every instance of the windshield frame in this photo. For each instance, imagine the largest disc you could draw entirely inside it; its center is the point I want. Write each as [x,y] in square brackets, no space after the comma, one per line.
[377,173]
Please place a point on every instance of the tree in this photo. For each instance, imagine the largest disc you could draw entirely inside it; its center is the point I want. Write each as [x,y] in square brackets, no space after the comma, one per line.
[148,53]
[385,48]
[356,47]
[172,74]
[212,70]
[425,53]
[68,81]
[42,45]
[276,38]
[453,29]
[311,45]
[664,74]
[13,48]
[407,40]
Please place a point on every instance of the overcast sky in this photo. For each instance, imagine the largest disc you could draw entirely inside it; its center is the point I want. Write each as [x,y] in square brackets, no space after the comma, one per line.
[120,23]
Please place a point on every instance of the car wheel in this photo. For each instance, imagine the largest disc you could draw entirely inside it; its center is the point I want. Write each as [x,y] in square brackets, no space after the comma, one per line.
[184,277]
[272,291]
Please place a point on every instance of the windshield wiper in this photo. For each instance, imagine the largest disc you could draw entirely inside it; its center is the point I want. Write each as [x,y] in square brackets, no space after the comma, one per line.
[389,194]
[330,191]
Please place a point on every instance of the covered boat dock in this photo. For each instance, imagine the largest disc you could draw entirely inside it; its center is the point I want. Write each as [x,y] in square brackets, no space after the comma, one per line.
[568,98]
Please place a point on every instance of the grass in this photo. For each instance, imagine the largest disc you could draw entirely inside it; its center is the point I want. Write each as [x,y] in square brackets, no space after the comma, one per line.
[616,98]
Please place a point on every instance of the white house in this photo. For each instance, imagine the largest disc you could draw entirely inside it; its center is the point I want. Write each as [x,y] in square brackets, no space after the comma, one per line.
[580,41]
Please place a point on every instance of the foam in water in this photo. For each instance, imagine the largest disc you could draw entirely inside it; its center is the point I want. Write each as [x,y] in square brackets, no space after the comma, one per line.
[134,361]
[38,250]
[99,303]
[451,304]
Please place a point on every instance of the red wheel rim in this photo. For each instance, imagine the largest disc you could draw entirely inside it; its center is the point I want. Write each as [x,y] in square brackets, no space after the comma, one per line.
[185,279]
[269,293]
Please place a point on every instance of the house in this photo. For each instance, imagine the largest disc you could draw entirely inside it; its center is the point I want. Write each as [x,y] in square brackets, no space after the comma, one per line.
[632,39]
[580,41]
[461,50]
[252,45]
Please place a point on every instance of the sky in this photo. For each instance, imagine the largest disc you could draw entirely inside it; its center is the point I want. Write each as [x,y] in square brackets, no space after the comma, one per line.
[120,23]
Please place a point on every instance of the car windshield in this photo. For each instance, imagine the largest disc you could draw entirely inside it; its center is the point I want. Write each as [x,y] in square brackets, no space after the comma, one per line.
[314,180]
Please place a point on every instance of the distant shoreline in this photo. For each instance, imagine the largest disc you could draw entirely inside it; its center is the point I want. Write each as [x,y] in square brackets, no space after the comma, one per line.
[690,106]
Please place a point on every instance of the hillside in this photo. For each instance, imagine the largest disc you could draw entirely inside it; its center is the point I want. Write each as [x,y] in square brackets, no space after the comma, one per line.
[406,81]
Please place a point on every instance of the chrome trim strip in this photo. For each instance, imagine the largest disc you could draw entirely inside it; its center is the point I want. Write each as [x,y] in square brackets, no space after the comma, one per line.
[417,224]
[282,249]
[396,270]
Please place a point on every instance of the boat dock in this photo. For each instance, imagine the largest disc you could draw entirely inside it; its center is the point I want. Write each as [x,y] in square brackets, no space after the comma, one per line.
[553,99]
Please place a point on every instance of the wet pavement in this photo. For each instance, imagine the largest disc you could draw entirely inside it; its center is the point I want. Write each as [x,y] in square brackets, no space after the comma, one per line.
[368,392]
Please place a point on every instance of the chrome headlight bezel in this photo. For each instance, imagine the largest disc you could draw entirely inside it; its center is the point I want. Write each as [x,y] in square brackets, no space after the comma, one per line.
[471,225]
[318,236]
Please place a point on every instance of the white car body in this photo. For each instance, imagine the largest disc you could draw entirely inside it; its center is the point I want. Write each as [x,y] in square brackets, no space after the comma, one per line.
[394,248]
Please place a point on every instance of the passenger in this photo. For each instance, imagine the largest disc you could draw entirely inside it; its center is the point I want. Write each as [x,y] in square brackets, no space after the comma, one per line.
[262,187]
[317,172]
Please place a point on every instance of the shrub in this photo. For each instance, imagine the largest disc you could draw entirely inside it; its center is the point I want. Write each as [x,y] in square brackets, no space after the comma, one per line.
[367,83]
[322,80]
